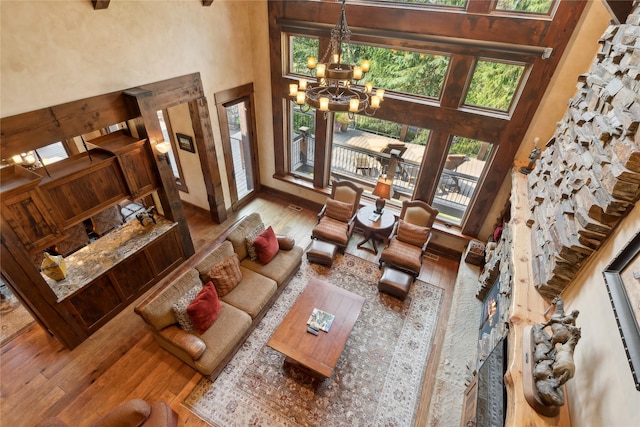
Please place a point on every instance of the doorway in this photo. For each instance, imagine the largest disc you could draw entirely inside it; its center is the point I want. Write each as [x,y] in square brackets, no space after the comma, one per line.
[237,126]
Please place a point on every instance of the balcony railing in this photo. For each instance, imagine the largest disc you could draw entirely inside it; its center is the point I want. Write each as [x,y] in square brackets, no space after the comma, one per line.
[364,166]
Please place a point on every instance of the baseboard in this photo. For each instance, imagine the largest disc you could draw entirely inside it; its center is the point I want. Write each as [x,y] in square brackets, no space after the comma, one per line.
[196,209]
[293,200]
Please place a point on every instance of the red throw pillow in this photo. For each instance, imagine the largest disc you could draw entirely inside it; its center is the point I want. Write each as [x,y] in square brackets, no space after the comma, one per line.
[266,245]
[205,308]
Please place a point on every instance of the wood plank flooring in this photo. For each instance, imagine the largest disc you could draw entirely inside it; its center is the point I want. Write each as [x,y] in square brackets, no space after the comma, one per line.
[39,378]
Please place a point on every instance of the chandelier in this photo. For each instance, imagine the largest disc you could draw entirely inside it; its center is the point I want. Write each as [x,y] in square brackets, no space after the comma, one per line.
[336,88]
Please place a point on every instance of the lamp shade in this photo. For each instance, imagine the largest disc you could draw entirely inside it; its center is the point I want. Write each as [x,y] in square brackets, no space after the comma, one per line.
[383,188]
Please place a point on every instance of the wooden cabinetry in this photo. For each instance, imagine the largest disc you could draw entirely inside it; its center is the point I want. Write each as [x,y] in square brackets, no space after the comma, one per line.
[134,157]
[96,302]
[25,210]
[83,185]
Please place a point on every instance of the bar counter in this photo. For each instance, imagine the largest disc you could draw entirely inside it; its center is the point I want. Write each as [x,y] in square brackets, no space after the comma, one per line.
[95,259]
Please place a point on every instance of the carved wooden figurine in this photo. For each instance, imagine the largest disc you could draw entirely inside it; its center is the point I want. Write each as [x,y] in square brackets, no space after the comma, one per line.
[551,357]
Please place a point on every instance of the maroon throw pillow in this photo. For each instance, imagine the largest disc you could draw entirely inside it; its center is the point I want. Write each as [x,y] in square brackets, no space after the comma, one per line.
[205,308]
[266,245]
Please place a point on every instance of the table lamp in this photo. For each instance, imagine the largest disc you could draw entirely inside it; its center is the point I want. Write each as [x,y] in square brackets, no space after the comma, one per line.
[383,191]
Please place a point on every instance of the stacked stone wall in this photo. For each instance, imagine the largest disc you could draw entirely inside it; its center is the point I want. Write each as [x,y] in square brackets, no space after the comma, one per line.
[588,177]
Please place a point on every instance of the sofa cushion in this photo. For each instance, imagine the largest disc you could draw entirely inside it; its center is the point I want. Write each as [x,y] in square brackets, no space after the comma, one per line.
[130,414]
[331,230]
[225,275]
[159,312]
[252,293]
[180,308]
[221,338]
[205,308]
[266,245]
[251,237]
[191,344]
[340,211]
[413,234]
[282,267]
[238,235]
[286,243]
[403,255]
[214,258]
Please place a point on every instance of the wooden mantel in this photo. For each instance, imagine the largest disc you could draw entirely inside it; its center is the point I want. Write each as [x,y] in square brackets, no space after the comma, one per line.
[527,308]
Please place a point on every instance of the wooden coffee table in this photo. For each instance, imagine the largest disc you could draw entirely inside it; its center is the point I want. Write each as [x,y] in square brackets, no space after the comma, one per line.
[317,355]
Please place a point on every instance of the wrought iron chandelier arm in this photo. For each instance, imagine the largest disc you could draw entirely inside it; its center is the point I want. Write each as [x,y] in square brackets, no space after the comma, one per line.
[336,87]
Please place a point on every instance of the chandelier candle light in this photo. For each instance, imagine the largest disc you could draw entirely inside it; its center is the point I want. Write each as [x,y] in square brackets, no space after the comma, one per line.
[336,88]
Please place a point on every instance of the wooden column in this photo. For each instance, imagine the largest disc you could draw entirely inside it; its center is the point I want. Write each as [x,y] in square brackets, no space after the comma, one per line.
[201,122]
[168,192]
[527,308]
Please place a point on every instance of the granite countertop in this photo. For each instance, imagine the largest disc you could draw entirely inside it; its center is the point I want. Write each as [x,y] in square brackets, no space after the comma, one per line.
[95,259]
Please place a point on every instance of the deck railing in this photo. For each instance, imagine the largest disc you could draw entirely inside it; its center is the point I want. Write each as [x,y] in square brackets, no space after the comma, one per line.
[364,166]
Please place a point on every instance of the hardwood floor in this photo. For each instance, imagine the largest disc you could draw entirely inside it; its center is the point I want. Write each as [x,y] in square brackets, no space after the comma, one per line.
[40,378]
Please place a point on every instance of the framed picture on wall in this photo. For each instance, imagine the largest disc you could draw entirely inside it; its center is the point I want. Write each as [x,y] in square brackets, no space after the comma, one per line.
[185,142]
[623,283]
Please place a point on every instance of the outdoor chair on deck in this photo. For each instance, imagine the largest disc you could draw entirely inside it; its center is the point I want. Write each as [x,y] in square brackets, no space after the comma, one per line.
[410,237]
[395,150]
[450,183]
[337,217]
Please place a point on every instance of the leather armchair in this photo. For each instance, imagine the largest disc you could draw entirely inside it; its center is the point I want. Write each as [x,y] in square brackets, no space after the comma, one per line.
[410,237]
[135,412]
[337,217]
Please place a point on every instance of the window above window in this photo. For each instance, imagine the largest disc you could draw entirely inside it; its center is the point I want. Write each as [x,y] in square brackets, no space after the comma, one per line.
[300,48]
[541,7]
[493,85]
[436,3]
[410,72]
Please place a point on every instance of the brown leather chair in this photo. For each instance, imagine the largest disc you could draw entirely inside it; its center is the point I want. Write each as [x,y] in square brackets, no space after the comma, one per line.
[135,412]
[337,217]
[410,237]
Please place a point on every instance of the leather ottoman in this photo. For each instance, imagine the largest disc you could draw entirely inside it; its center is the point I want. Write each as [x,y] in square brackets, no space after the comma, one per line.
[395,282]
[321,252]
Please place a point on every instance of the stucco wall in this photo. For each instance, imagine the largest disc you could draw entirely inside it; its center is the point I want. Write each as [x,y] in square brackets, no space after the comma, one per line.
[190,162]
[602,392]
[54,52]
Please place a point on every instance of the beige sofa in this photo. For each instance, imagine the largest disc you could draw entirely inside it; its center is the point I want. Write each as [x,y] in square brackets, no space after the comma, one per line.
[242,308]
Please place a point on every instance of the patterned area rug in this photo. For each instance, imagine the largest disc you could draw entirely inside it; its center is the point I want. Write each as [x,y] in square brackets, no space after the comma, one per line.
[378,378]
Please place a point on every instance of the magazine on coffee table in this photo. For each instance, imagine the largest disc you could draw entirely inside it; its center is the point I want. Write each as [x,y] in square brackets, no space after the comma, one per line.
[320,320]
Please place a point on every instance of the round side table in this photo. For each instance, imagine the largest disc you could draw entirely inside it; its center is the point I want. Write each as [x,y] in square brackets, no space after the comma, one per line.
[373,226]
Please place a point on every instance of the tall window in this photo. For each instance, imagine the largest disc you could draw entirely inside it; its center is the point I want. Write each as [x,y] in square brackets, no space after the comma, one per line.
[367,148]
[464,167]
[301,141]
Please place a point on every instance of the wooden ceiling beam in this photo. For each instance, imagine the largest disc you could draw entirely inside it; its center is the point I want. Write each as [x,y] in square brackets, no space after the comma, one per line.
[619,9]
[100,4]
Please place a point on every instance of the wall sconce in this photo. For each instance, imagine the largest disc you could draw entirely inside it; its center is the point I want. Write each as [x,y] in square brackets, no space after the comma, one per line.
[163,148]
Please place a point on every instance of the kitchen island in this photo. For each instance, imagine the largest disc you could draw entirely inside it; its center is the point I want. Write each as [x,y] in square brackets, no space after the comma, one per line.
[108,274]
